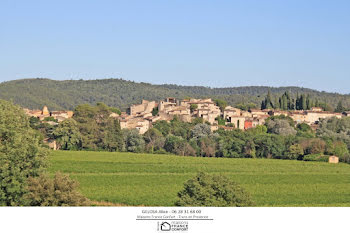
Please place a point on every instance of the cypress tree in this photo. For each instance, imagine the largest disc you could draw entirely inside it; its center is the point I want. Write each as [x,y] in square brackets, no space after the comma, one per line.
[297,102]
[267,103]
[285,102]
[292,105]
[340,107]
[316,103]
[303,102]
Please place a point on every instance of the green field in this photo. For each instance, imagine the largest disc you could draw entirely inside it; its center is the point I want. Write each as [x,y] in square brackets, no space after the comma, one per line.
[154,180]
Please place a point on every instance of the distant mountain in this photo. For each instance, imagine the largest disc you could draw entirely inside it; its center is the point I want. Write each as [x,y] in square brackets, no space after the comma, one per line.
[35,93]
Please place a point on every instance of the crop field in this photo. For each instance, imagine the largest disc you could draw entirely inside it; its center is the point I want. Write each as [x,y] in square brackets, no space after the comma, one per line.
[154,180]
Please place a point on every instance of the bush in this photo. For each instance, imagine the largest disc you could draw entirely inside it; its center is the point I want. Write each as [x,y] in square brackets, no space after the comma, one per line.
[345,158]
[50,119]
[316,157]
[221,121]
[60,191]
[295,151]
[213,190]
[313,146]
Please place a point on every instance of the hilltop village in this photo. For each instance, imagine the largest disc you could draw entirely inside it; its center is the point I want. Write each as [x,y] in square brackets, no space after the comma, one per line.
[142,116]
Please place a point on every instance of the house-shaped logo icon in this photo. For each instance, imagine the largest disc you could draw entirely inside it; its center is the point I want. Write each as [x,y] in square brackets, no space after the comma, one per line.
[165,226]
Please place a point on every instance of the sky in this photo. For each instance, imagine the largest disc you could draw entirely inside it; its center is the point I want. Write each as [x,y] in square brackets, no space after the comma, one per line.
[209,43]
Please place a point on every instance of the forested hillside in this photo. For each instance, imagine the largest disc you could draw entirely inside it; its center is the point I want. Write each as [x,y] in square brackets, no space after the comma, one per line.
[34,93]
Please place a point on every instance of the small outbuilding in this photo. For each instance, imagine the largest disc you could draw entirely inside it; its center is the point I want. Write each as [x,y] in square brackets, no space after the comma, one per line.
[333,159]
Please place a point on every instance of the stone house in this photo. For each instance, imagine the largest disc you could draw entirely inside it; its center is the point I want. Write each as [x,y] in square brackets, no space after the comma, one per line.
[298,116]
[61,115]
[145,107]
[179,110]
[237,121]
[258,112]
[315,116]
[231,111]
[139,123]
[42,114]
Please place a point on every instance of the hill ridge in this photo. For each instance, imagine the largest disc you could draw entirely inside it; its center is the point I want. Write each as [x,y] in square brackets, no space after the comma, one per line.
[66,94]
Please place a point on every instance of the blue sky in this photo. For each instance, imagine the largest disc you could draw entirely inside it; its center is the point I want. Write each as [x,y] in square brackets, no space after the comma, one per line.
[211,43]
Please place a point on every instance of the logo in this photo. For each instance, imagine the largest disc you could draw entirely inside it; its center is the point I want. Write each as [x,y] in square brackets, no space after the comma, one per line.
[165,226]
[173,226]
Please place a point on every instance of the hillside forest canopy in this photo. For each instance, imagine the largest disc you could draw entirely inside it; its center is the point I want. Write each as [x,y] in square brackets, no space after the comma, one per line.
[66,95]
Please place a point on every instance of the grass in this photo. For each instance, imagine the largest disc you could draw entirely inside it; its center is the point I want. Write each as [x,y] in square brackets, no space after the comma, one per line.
[154,180]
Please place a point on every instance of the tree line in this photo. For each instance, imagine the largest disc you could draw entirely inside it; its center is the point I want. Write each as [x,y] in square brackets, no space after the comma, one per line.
[92,128]
[300,102]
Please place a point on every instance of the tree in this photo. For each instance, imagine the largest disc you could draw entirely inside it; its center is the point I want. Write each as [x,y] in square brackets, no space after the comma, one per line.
[340,107]
[305,131]
[20,154]
[221,120]
[246,107]
[175,144]
[267,103]
[303,102]
[281,117]
[197,120]
[193,107]
[222,104]
[269,146]
[34,122]
[113,139]
[50,119]
[340,149]
[115,110]
[213,190]
[155,111]
[231,146]
[295,151]
[134,142]
[98,130]
[207,147]
[337,148]
[335,129]
[59,191]
[308,102]
[162,126]
[304,127]
[201,130]
[313,146]
[67,135]
[284,101]
[86,116]
[249,150]
[154,140]
[280,127]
